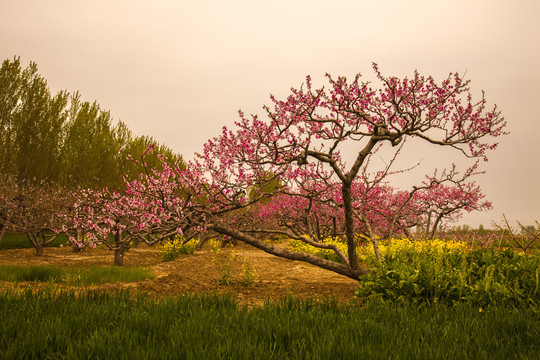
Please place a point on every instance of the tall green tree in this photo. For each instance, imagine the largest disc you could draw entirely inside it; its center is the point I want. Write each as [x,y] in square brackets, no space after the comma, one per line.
[64,139]
[10,88]
[32,123]
[90,149]
[134,152]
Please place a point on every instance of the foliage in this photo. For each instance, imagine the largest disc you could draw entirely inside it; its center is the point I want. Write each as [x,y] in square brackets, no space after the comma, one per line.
[99,325]
[72,276]
[438,271]
[61,138]
[31,123]
[478,277]
[171,249]
[367,254]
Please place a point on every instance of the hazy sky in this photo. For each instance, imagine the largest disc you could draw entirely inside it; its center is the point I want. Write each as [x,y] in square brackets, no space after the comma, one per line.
[180,70]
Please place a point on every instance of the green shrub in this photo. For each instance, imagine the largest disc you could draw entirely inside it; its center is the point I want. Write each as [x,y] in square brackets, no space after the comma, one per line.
[439,271]
[479,277]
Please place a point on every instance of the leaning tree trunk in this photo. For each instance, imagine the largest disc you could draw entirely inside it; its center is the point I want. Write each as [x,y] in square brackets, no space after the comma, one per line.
[353,273]
[435,225]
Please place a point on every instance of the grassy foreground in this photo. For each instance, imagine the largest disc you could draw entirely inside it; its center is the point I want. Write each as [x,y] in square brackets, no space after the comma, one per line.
[78,276]
[96,325]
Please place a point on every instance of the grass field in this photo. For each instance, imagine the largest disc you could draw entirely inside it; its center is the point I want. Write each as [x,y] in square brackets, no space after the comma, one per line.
[78,276]
[428,300]
[98,325]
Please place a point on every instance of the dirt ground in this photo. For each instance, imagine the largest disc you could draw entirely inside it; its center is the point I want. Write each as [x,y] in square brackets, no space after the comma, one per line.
[198,273]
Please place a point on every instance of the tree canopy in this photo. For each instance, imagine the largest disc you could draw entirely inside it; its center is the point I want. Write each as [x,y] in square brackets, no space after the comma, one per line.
[61,138]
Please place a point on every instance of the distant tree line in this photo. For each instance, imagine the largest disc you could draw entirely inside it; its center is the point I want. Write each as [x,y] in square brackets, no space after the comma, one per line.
[63,139]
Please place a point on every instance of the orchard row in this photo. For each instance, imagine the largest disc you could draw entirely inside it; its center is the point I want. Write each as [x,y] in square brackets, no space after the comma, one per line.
[286,176]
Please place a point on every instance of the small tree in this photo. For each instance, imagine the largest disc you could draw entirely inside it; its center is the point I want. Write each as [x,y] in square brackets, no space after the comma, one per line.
[33,208]
[121,220]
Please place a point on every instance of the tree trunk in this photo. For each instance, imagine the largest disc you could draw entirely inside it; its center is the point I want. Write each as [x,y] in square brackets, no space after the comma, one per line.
[119,250]
[2,233]
[39,249]
[428,225]
[349,226]
[77,248]
[34,240]
[119,256]
[373,239]
[435,225]
[200,242]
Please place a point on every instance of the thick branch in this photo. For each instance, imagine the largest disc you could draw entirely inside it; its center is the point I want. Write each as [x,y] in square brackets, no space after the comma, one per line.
[288,254]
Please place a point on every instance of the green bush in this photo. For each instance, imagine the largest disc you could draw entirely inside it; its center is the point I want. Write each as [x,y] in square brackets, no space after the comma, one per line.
[439,271]
[479,277]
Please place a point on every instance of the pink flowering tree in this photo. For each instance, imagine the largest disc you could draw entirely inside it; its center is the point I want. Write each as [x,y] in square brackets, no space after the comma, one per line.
[302,139]
[298,148]
[33,208]
[8,193]
[446,204]
[149,211]
[106,217]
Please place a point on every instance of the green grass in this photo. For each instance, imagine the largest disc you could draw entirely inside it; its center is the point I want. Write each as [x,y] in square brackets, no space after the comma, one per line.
[73,276]
[20,241]
[97,325]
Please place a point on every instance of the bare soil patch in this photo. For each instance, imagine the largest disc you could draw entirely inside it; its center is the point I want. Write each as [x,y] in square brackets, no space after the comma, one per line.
[276,277]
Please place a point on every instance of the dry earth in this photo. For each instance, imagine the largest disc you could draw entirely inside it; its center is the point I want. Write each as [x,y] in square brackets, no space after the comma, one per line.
[198,273]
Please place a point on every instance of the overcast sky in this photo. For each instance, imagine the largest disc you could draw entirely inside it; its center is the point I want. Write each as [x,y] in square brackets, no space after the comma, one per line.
[180,70]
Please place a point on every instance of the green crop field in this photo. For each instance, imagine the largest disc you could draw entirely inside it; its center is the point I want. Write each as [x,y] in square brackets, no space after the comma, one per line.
[97,325]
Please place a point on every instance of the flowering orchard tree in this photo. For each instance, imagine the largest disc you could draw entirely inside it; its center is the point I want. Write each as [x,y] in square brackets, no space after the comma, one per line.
[447,203]
[301,140]
[148,211]
[117,221]
[380,211]
[33,208]
[298,150]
